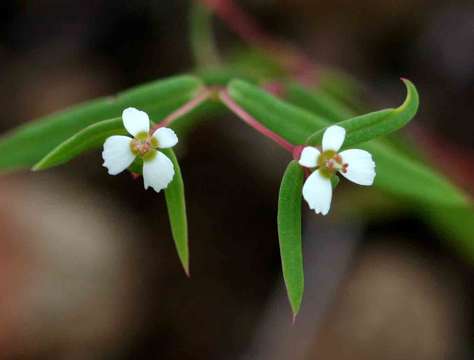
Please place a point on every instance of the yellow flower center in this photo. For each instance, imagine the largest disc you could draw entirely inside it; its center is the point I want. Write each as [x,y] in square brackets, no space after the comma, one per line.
[144,146]
[329,162]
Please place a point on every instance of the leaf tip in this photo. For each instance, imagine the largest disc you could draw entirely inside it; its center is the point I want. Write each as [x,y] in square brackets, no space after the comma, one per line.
[412,99]
[37,167]
[293,321]
[408,83]
[186,270]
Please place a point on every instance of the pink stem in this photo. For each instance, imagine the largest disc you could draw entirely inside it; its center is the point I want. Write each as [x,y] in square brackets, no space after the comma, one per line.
[183,110]
[247,118]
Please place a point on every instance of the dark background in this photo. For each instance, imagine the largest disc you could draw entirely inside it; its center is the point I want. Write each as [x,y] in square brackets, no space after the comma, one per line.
[88,269]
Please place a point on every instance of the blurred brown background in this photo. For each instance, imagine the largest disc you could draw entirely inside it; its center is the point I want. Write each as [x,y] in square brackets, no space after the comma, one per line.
[88,269]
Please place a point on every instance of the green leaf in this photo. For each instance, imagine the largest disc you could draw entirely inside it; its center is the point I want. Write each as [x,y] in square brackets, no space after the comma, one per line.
[256,64]
[342,87]
[91,137]
[289,121]
[222,75]
[94,136]
[289,233]
[319,102]
[137,166]
[176,205]
[396,173]
[372,125]
[26,145]
[457,225]
[411,178]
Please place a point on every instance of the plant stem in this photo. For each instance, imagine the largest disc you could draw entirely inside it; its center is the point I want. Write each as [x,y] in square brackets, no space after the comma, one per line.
[184,109]
[223,95]
[249,120]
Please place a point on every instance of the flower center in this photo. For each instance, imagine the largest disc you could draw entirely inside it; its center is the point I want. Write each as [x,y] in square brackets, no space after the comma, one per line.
[329,162]
[144,145]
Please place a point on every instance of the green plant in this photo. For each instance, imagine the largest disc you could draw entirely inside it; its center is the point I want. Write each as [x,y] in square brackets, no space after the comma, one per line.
[263,93]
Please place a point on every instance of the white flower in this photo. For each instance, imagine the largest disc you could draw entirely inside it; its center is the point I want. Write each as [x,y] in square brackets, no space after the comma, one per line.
[355,165]
[120,151]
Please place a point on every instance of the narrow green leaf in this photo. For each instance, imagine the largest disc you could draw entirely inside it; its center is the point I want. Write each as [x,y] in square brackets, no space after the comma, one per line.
[289,121]
[94,136]
[319,102]
[176,205]
[26,145]
[372,125]
[289,234]
[91,137]
[396,173]
[342,87]
[221,75]
[137,166]
[411,178]
[457,225]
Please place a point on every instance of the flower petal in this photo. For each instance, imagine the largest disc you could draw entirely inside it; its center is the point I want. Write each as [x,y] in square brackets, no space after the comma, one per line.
[158,172]
[135,121]
[166,137]
[117,154]
[309,157]
[361,167]
[333,138]
[317,191]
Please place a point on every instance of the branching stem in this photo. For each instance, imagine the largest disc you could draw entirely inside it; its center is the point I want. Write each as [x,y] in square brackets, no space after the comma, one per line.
[250,120]
[221,94]
[183,110]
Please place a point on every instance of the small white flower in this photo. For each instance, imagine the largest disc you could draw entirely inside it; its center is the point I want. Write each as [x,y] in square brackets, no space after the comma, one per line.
[355,164]
[120,151]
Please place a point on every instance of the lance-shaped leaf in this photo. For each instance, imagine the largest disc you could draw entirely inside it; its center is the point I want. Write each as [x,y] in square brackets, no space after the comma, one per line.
[400,175]
[342,87]
[89,138]
[176,205]
[318,102]
[289,233]
[94,136]
[26,145]
[456,224]
[289,121]
[370,126]
[396,172]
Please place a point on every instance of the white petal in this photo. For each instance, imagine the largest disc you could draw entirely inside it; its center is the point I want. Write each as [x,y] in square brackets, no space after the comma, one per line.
[309,157]
[333,138]
[361,167]
[135,121]
[166,137]
[317,191]
[158,172]
[117,154]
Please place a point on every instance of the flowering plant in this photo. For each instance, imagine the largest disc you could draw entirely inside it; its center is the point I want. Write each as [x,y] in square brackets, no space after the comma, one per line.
[316,125]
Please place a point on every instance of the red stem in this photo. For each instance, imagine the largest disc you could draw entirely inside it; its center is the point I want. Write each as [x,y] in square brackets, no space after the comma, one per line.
[236,109]
[249,120]
[184,109]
